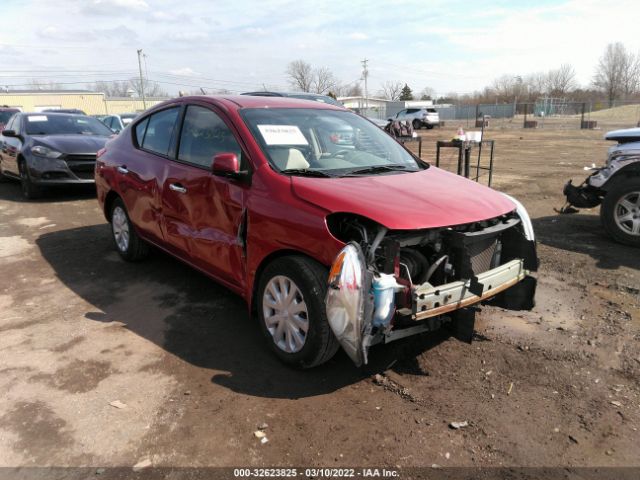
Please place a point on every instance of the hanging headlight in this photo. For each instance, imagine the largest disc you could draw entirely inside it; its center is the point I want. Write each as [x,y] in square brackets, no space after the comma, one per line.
[42,151]
[345,300]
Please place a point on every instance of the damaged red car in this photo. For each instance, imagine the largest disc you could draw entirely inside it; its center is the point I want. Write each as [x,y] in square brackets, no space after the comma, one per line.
[334,233]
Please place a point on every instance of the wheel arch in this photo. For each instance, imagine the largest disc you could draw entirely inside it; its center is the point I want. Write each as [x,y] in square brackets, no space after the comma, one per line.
[628,171]
[273,256]
[108,202]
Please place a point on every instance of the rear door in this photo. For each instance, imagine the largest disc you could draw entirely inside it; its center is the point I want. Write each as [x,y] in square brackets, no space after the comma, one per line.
[203,214]
[140,173]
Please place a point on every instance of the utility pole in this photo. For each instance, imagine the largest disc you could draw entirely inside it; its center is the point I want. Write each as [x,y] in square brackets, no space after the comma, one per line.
[144,100]
[365,74]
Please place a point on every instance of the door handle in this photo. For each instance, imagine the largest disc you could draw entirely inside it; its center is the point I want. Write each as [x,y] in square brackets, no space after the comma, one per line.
[176,187]
[123,170]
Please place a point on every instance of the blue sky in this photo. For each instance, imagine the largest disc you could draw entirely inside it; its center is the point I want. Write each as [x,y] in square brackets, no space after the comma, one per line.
[457,46]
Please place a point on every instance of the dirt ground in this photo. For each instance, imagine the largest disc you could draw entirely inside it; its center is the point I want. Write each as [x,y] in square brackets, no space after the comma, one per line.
[79,329]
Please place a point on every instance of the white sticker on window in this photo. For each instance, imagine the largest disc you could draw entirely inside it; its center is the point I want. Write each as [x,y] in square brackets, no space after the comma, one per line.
[282,135]
[37,118]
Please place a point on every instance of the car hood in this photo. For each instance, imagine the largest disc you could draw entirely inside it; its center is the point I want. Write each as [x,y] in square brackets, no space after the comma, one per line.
[430,198]
[72,143]
[624,136]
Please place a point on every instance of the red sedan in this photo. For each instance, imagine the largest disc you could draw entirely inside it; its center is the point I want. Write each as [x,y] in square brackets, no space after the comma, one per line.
[333,232]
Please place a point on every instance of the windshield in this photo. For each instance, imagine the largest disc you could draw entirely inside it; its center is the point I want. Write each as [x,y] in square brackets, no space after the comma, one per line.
[325,142]
[5,116]
[62,124]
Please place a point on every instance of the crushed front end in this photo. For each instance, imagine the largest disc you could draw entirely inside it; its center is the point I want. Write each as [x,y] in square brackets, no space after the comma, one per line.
[620,157]
[386,284]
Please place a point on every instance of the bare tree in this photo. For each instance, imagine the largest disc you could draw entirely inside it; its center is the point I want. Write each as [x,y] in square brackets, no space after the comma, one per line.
[617,73]
[348,90]
[631,75]
[300,75]
[111,89]
[151,88]
[561,80]
[391,90]
[45,85]
[322,80]
[427,93]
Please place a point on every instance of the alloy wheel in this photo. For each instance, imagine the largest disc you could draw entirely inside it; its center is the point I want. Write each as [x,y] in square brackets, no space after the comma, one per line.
[120,226]
[627,213]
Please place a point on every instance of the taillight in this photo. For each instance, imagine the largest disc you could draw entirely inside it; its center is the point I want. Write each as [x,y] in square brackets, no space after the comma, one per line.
[101,152]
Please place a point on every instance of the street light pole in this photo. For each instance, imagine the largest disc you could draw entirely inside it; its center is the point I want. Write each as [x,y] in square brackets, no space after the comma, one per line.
[144,100]
[365,74]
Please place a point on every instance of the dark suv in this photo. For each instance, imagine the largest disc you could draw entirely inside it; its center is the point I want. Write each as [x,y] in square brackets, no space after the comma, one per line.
[46,149]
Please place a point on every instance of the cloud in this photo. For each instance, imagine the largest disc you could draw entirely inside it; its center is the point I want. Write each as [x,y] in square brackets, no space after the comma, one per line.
[116,7]
[185,72]
[187,36]
[161,16]
[358,36]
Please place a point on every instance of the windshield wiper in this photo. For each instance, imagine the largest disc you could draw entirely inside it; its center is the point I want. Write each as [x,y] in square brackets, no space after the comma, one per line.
[378,169]
[305,172]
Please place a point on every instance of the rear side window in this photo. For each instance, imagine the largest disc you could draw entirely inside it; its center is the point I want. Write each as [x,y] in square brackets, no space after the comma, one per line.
[159,131]
[140,130]
[204,135]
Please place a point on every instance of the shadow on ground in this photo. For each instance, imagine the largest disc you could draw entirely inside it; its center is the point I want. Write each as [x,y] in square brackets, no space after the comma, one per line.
[200,322]
[10,191]
[584,234]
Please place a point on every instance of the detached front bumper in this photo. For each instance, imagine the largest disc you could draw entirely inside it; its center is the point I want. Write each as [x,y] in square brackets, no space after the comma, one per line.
[351,307]
[430,301]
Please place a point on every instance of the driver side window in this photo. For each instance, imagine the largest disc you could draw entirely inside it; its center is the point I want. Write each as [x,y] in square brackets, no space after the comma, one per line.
[204,135]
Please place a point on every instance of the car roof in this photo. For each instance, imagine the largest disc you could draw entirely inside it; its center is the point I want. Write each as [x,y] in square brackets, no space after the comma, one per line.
[236,102]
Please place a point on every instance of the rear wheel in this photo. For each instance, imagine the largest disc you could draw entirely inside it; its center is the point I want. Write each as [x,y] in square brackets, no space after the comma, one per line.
[620,212]
[30,191]
[417,124]
[129,245]
[292,312]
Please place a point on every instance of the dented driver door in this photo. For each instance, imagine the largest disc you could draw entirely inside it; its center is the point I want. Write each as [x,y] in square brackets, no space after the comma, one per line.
[204,215]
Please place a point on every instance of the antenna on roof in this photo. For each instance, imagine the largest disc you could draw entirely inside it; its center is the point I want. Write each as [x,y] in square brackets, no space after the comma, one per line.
[202,90]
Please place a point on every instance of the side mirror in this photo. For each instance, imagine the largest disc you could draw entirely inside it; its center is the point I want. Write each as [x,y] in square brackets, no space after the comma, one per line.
[226,165]
[9,133]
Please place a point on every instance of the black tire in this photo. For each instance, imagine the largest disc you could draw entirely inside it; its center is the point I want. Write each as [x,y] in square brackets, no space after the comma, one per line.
[320,344]
[417,124]
[609,207]
[30,191]
[429,127]
[3,177]
[135,248]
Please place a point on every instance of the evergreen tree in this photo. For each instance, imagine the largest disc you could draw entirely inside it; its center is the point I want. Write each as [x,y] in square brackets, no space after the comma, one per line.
[406,93]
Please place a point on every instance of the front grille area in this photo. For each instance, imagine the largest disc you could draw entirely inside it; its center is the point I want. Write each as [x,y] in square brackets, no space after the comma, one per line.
[481,253]
[82,166]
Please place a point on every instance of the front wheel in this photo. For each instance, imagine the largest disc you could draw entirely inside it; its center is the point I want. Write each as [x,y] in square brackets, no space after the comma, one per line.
[417,124]
[129,245]
[620,212]
[292,312]
[30,191]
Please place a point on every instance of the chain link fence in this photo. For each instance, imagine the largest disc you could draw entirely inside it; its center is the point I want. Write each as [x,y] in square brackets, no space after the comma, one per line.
[545,113]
